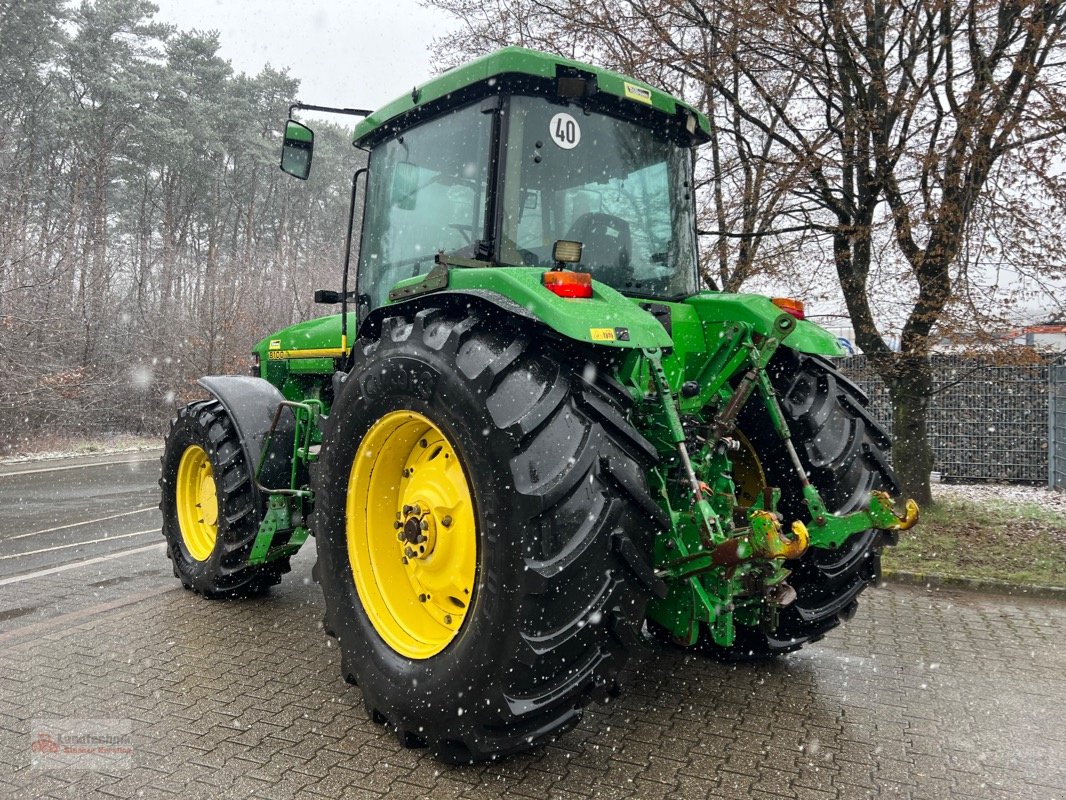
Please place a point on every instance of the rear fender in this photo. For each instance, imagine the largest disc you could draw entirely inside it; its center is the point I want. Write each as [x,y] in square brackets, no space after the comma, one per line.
[496,306]
[455,300]
[607,318]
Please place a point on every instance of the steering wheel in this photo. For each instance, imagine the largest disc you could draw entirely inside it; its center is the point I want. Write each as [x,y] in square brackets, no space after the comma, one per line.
[466,230]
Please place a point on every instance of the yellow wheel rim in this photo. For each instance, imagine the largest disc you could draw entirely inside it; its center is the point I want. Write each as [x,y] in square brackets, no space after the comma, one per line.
[412,539]
[197,503]
[748,476]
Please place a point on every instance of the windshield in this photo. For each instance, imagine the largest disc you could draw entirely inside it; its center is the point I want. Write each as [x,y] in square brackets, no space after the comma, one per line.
[616,187]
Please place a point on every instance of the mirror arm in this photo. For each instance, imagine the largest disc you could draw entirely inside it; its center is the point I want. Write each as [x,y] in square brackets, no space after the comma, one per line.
[355,112]
[348,259]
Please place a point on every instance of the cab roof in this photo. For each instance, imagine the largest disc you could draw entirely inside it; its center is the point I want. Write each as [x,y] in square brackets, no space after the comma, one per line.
[487,72]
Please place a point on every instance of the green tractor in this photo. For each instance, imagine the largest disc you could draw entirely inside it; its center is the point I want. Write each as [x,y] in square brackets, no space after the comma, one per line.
[529,443]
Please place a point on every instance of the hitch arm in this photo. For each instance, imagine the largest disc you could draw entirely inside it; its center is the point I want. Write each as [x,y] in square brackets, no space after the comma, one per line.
[710,526]
[829,531]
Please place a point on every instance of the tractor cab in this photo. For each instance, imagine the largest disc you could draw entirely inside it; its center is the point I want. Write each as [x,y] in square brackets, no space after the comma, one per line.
[500,161]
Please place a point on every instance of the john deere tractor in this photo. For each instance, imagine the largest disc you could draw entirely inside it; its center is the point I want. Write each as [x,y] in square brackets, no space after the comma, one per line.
[529,443]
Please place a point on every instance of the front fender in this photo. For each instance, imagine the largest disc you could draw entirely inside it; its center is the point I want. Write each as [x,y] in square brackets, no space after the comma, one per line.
[251,403]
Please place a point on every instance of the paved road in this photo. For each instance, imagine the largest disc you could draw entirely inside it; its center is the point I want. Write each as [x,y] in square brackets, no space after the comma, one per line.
[924,694]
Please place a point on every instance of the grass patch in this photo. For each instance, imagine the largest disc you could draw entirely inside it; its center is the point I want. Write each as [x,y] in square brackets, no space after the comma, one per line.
[1020,543]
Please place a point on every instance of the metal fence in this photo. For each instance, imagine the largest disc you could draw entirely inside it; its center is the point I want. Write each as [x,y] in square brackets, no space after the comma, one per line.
[1056,429]
[987,421]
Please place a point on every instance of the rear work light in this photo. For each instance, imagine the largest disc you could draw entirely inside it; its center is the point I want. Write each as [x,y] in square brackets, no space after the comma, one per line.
[790,306]
[568,284]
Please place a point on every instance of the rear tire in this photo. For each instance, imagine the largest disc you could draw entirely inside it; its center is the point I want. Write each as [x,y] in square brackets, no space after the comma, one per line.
[844,452]
[210,553]
[563,520]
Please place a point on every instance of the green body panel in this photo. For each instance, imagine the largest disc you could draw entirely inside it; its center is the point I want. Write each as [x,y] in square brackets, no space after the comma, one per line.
[312,366]
[760,313]
[606,314]
[699,323]
[288,358]
[519,61]
[312,334]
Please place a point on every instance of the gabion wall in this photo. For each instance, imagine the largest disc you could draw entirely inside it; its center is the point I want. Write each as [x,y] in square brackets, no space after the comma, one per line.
[987,422]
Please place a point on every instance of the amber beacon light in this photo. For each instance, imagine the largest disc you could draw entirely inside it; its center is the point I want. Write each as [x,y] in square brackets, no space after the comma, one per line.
[790,306]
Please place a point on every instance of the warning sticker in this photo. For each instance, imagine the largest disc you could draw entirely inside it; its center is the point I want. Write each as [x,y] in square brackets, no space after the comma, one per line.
[565,131]
[609,334]
[638,93]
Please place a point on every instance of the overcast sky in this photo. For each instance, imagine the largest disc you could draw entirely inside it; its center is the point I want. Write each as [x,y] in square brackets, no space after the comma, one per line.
[357,53]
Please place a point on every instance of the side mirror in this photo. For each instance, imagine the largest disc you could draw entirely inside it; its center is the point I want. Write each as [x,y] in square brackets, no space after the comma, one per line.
[403,193]
[327,297]
[297,149]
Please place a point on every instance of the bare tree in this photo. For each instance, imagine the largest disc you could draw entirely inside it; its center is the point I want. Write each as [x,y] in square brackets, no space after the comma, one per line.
[148,236]
[896,132]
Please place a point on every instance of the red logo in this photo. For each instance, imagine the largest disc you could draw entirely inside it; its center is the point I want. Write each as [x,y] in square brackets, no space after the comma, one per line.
[44,743]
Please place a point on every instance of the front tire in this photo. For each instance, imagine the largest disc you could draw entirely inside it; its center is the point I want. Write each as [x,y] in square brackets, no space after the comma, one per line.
[211,514]
[552,551]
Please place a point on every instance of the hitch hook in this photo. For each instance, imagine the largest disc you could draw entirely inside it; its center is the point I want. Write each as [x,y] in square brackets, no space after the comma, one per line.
[884,509]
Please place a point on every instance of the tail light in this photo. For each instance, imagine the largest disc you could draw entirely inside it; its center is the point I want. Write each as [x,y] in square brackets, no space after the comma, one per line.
[568,284]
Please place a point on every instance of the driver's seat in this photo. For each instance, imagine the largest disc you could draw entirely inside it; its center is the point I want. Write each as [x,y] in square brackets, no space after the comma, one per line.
[606,246]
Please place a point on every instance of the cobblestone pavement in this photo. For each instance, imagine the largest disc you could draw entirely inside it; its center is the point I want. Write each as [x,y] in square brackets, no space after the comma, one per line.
[924,695]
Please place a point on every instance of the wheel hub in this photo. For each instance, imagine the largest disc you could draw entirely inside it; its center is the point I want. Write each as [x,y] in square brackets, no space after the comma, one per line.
[417,534]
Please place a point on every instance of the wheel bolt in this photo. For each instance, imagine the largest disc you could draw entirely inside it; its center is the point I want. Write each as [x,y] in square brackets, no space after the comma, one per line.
[422,598]
[419,539]
[407,551]
[446,522]
[397,524]
[447,619]
[407,510]
[424,525]
[424,443]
